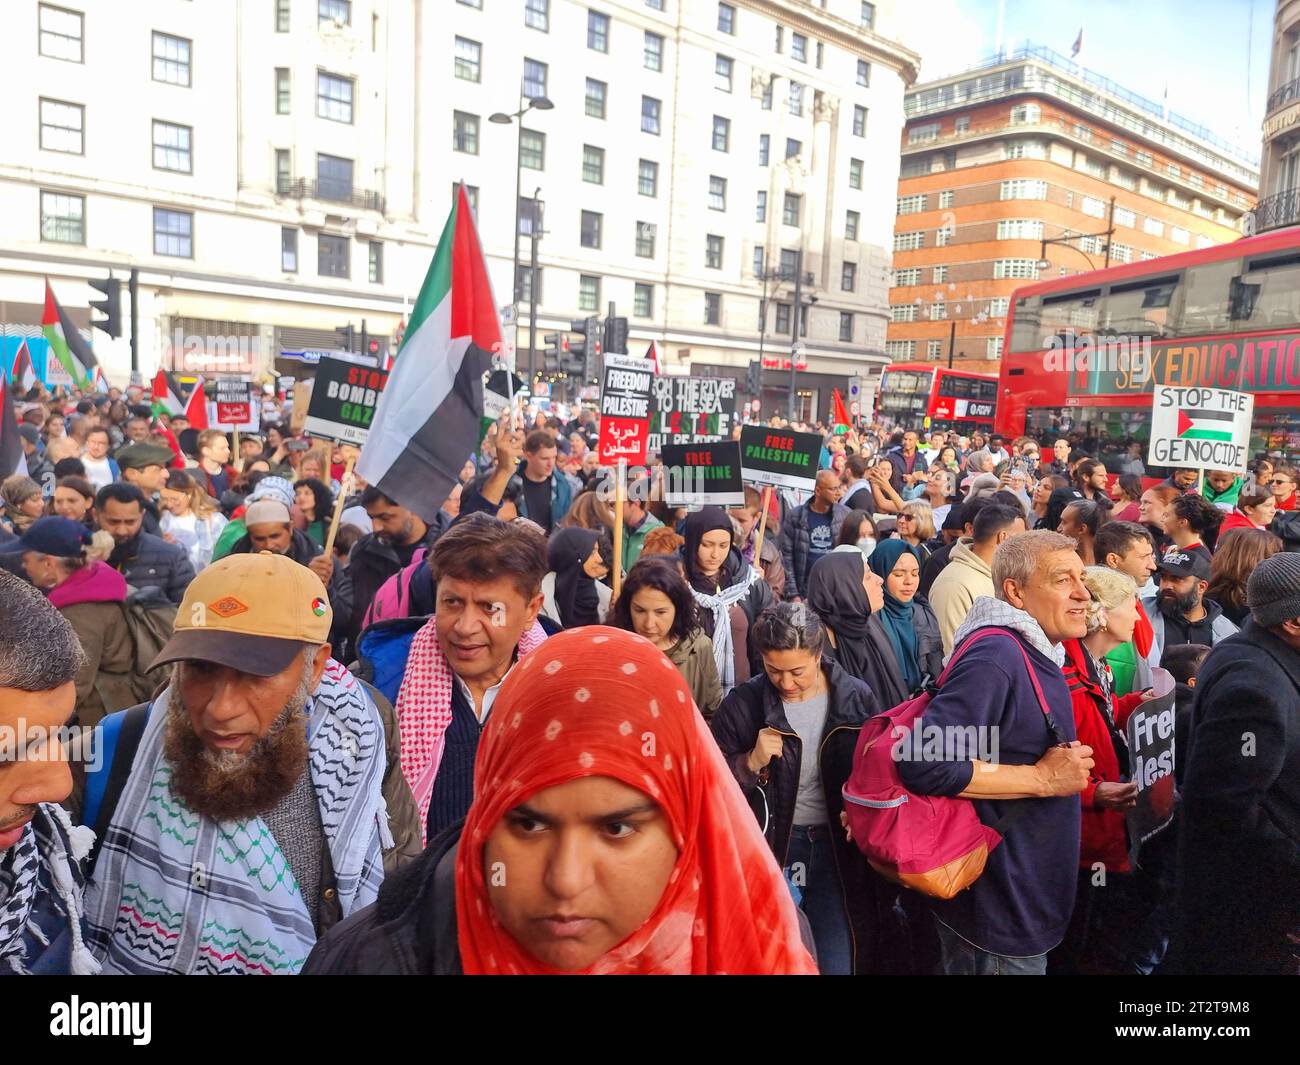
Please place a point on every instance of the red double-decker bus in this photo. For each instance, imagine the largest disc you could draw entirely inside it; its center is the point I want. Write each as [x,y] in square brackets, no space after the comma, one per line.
[1082,354]
[917,395]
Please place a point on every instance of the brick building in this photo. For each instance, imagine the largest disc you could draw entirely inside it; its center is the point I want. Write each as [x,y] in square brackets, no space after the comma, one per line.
[1029,148]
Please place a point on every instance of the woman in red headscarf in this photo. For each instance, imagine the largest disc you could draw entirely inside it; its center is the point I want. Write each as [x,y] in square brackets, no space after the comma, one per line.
[607,835]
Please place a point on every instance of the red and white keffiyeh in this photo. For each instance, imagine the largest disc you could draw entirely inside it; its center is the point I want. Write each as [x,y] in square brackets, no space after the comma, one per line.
[424,709]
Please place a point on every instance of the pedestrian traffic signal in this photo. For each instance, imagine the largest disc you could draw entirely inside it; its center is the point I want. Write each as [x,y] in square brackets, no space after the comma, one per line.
[347,336]
[616,336]
[110,306]
[754,378]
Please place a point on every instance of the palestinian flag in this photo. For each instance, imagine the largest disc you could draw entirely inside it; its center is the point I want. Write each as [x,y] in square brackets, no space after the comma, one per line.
[22,373]
[838,414]
[428,417]
[68,345]
[652,353]
[196,407]
[166,395]
[12,459]
[1205,425]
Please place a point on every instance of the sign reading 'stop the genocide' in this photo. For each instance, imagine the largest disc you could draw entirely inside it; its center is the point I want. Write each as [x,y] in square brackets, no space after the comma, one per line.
[1200,428]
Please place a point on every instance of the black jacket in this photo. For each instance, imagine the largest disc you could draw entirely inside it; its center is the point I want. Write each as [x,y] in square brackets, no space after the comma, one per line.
[1239,848]
[883,675]
[756,704]
[796,542]
[371,562]
[933,566]
[157,564]
[895,456]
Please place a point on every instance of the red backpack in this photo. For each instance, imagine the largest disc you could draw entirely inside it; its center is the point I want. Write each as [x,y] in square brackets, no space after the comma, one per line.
[934,844]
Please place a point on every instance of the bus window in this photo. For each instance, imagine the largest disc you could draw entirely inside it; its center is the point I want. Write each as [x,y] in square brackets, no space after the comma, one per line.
[1118,436]
[1207,298]
[1025,334]
[1069,313]
[1140,308]
[1269,294]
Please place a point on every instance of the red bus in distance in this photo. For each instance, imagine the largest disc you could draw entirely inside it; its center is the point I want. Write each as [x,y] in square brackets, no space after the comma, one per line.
[923,396]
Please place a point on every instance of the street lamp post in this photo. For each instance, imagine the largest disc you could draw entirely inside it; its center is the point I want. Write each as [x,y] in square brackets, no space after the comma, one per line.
[526,104]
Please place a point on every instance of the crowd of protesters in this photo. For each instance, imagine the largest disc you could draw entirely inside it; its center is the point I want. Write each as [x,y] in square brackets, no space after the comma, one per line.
[365,715]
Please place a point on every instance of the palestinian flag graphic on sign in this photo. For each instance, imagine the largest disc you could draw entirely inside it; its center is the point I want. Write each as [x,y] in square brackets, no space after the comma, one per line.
[1205,425]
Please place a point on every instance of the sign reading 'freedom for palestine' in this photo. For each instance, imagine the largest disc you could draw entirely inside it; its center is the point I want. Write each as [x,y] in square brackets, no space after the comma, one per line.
[1201,428]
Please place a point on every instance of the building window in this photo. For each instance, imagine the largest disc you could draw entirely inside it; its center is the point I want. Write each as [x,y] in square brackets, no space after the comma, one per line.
[945,199]
[962,124]
[173,233]
[868,15]
[938,310]
[596,92]
[789,263]
[911,204]
[593,165]
[793,148]
[63,218]
[717,193]
[1153,227]
[171,147]
[1143,158]
[465,133]
[1119,148]
[282,20]
[532,149]
[923,134]
[588,293]
[281,90]
[1023,189]
[760,260]
[799,47]
[859,120]
[846,325]
[282,174]
[530,216]
[643,301]
[62,127]
[647,178]
[726,18]
[537,15]
[712,308]
[469,59]
[597,31]
[534,79]
[1124,179]
[722,68]
[1015,268]
[171,59]
[645,240]
[939,274]
[1020,229]
[902,312]
[1025,114]
[333,97]
[721,134]
[289,250]
[764,148]
[906,277]
[760,211]
[848,277]
[376,262]
[780,38]
[909,241]
[333,178]
[783,318]
[525,284]
[590,234]
[61,36]
[649,115]
[1121,253]
[766,102]
[1125,217]
[1024,150]
[471,194]
[332,253]
[654,51]
[851,219]
[821,52]
[933,349]
[713,251]
[900,350]
[791,209]
[855,173]
[334,11]
[1179,235]
[864,73]
[1093,207]
[993,348]
[796,98]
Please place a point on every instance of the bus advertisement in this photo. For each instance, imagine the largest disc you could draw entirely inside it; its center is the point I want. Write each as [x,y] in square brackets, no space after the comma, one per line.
[1083,354]
[924,396]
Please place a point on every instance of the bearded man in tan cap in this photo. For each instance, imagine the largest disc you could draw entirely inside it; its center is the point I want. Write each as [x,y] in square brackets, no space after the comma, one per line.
[257,800]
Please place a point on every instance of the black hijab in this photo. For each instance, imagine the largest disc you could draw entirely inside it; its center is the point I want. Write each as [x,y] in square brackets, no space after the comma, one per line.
[1056,504]
[697,524]
[836,595]
[575,592]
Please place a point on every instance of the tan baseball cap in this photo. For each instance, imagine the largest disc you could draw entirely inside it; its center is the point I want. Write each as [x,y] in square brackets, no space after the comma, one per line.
[251,612]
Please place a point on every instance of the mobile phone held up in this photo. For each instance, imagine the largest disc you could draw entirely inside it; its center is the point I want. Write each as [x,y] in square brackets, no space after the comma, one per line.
[299,445]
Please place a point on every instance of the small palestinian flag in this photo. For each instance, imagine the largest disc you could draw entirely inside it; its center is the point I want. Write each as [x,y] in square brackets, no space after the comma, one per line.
[1206,425]
[12,459]
[68,345]
[318,607]
[429,416]
[166,395]
[838,414]
[23,373]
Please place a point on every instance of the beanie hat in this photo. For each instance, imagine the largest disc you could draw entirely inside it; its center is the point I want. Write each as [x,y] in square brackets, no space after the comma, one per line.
[1273,591]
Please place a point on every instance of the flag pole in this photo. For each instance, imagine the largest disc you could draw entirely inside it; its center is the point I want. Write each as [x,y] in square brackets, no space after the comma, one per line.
[762,527]
[621,471]
[344,484]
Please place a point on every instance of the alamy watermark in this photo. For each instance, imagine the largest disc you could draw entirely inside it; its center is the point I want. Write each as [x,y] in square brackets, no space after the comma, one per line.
[1074,353]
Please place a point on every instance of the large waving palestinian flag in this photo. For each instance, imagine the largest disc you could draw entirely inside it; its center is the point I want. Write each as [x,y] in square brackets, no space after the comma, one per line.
[427,420]
[68,345]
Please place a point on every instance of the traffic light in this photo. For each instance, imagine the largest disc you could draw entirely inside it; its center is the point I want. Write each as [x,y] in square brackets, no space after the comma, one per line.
[556,344]
[588,347]
[616,336]
[347,336]
[754,378]
[110,306]
[377,348]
